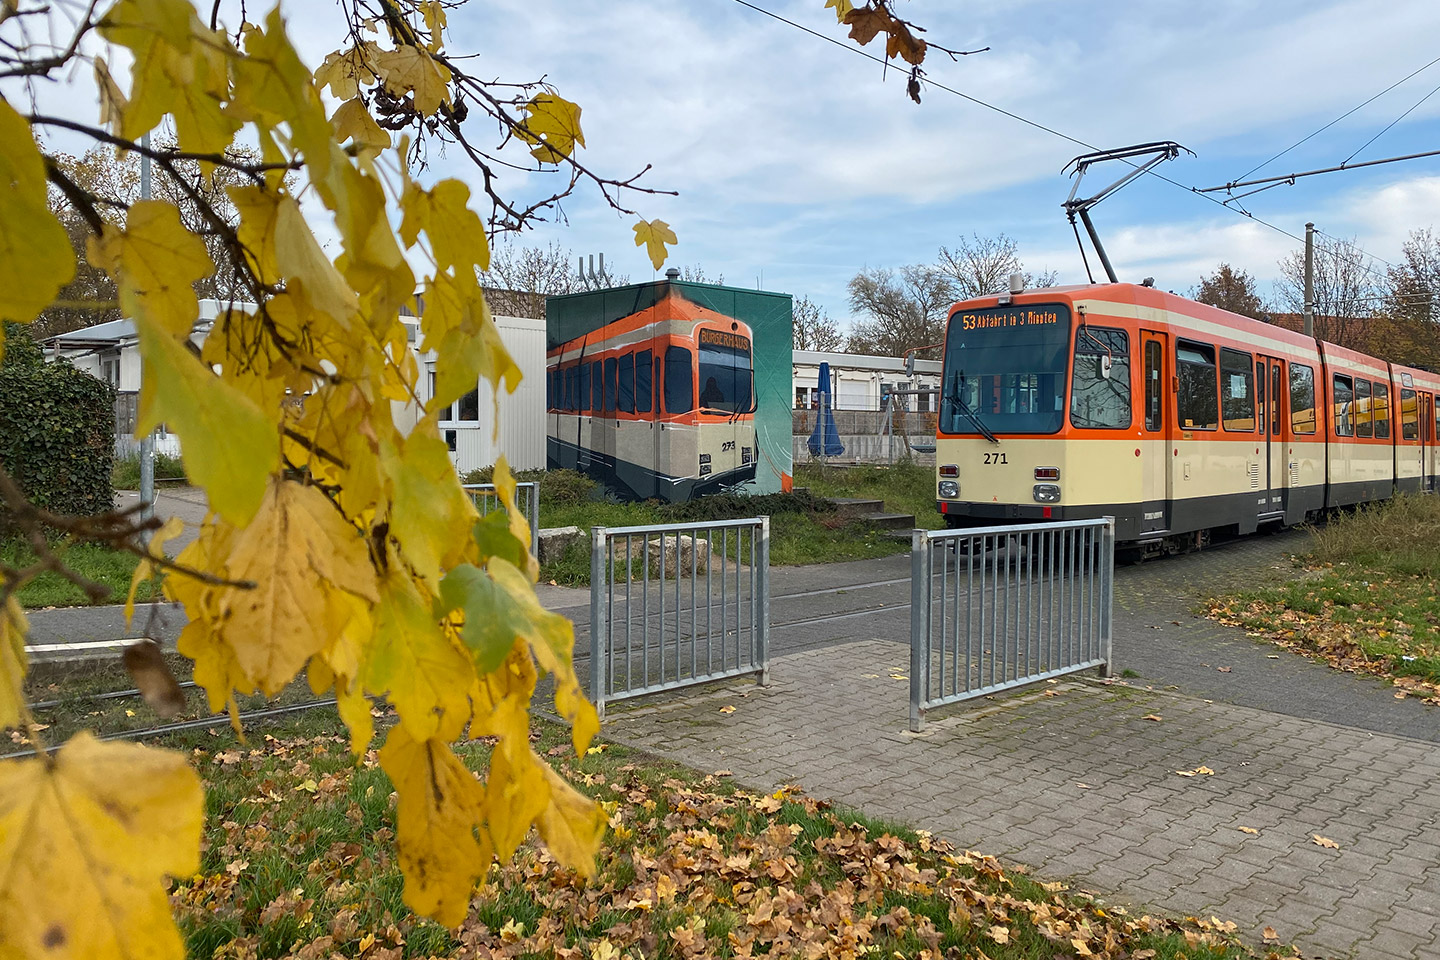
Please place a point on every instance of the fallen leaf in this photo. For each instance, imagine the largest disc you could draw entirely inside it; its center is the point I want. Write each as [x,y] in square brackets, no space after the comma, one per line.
[898,676]
[1223,669]
[1325,842]
[1249,830]
[153,678]
[1269,934]
[1084,786]
[1153,716]
[727,709]
[723,773]
[999,934]
[1272,656]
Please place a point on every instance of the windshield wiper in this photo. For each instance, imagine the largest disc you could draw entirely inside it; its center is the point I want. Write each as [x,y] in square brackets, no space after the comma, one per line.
[959,400]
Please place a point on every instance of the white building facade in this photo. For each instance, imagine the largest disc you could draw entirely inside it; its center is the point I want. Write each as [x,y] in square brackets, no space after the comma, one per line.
[110,352]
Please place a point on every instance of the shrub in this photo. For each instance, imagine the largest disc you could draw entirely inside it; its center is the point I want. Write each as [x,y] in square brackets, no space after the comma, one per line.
[126,475]
[57,429]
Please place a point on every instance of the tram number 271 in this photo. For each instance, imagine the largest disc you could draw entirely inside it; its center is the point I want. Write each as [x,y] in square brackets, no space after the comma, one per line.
[995,458]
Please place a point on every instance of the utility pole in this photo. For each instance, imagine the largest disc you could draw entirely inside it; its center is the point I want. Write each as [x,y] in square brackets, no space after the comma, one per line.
[147,445]
[1309,279]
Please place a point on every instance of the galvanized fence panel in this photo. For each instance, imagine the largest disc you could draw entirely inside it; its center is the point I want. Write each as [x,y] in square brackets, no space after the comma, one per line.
[1004,606]
[527,498]
[678,604]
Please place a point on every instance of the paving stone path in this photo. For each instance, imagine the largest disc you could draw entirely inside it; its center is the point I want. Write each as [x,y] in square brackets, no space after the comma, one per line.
[1074,781]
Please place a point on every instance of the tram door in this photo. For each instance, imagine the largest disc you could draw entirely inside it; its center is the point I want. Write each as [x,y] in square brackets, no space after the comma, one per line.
[1156,458]
[1269,379]
[1428,449]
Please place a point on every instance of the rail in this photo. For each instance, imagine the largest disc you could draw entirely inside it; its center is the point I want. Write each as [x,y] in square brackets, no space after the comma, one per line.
[994,608]
[527,498]
[678,604]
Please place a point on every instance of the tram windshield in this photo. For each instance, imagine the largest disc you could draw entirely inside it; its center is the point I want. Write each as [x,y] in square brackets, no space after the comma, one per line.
[1004,370]
[726,376]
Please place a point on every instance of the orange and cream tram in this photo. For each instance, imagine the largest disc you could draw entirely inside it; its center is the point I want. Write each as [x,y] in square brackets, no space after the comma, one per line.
[659,404]
[1178,419]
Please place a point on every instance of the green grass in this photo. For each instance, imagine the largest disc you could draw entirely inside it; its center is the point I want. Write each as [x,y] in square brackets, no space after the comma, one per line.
[126,473]
[299,854]
[804,527]
[113,568]
[1368,600]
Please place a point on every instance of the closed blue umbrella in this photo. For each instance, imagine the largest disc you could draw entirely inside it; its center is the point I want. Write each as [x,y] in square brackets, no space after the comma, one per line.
[825,439]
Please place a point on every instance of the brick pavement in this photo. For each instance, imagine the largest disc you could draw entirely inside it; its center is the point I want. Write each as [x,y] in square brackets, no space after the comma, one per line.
[1078,784]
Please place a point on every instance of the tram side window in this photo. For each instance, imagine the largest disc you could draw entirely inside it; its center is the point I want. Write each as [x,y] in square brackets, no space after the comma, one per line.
[1237,390]
[1302,398]
[597,387]
[1343,399]
[1100,398]
[1409,415]
[584,388]
[679,381]
[1198,405]
[1153,415]
[572,388]
[1380,409]
[612,369]
[625,401]
[642,381]
[1363,426]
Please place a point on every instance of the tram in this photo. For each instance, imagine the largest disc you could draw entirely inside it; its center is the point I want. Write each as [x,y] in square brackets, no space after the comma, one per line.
[1178,419]
[658,404]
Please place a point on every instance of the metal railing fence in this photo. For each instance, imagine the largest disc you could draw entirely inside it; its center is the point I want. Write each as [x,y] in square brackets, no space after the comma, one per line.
[1004,606]
[527,499]
[678,604]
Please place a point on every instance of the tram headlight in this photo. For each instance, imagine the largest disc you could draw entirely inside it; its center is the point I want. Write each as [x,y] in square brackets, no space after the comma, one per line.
[1047,493]
[949,489]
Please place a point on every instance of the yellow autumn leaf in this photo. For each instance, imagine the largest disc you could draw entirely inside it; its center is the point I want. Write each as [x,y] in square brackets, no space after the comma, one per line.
[85,843]
[306,267]
[572,825]
[36,259]
[272,85]
[552,125]
[414,665]
[517,791]
[430,515]
[457,237]
[409,69]
[653,235]
[296,551]
[230,445]
[146,568]
[12,662]
[441,852]
[352,121]
[346,71]
[842,7]
[155,262]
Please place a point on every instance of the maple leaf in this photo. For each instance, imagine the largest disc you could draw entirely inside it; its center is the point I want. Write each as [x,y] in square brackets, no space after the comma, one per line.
[437,814]
[410,69]
[866,22]
[552,125]
[1326,842]
[36,259]
[653,235]
[85,842]
[842,7]
[155,262]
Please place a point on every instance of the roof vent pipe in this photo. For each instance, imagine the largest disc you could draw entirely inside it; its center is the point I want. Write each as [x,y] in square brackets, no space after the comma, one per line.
[672,274]
[1017,283]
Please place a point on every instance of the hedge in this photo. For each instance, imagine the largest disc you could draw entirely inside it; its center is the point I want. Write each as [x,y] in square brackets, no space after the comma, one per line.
[57,428]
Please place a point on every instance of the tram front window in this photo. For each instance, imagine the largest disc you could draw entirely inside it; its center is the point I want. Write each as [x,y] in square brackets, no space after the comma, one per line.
[1005,370]
[725,375]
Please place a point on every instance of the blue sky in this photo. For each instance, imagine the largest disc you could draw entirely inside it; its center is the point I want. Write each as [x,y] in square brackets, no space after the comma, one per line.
[805,162]
[801,163]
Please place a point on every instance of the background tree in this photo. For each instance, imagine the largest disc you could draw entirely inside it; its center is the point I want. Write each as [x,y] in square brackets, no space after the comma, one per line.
[696,274]
[814,330]
[91,297]
[521,277]
[980,266]
[901,309]
[1346,291]
[1408,320]
[1231,290]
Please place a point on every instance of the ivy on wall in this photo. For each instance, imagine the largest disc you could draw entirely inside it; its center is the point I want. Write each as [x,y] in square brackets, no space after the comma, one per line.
[57,427]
